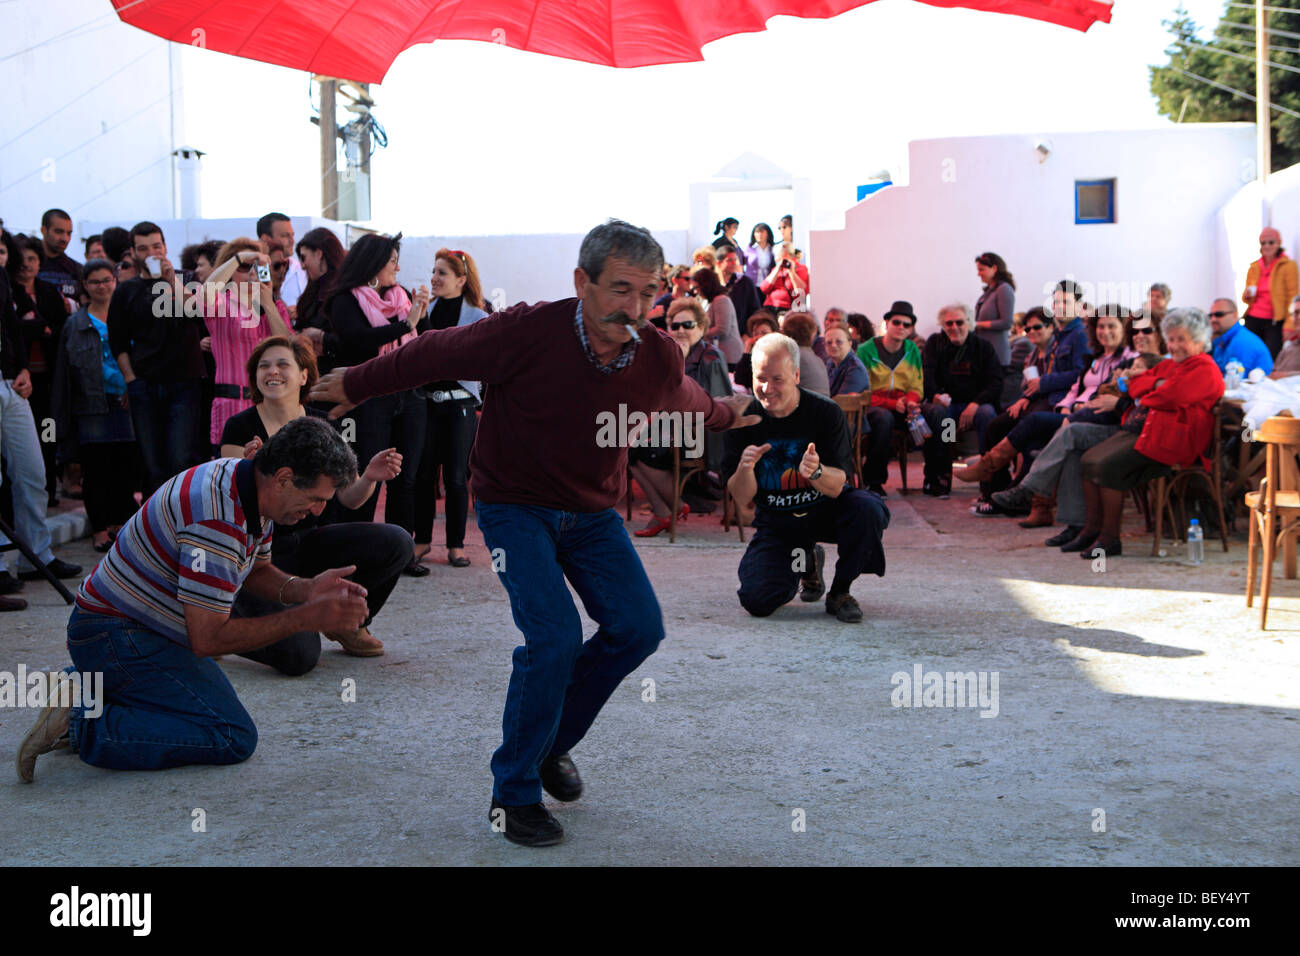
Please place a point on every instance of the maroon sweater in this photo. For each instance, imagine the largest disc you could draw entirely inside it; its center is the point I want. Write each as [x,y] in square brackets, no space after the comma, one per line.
[536,442]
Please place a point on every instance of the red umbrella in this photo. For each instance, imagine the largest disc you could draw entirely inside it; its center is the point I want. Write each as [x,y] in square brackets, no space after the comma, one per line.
[359,41]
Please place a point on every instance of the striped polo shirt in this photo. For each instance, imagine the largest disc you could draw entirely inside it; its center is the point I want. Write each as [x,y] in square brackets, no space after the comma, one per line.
[190,544]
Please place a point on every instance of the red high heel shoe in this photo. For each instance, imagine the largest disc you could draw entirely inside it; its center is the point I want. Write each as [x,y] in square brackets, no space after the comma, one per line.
[661,524]
[686,510]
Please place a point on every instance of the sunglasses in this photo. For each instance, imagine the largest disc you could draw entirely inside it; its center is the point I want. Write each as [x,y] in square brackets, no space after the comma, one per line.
[678,326]
[1034,328]
[280,266]
[954,325]
[903,323]
[1220,314]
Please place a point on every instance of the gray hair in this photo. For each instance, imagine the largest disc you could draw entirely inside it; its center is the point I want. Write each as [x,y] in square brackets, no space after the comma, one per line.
[1162,288]
[619,240]
[958,307]
[776,341]
[1192,321]
[310,448]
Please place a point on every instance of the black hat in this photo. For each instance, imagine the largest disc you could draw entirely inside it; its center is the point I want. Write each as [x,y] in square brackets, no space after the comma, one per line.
[900,308]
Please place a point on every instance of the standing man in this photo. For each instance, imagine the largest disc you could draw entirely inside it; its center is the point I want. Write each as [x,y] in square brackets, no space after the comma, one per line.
[1271,283]
[57,267]
[157,348]
[739,287]
[793,464]
[156,610]
[547,469]
[276,230]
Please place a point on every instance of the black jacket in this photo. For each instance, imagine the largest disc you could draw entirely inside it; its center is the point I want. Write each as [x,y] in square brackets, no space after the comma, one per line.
[968,373]
[13,351]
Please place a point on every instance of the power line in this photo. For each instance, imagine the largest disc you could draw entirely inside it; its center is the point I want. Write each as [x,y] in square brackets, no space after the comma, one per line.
[1239,56]
[1251,6]
[50,116]
[138,172]
[1251,28]
[1250,44]
[1229,89]
[68,33]
[74,149]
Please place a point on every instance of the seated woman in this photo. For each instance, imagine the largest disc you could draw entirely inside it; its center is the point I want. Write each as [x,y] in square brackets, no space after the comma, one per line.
[652,467]
[1179,395]
[1034,430]
[280,374]
[760,324]
[1055,480]
[802,327]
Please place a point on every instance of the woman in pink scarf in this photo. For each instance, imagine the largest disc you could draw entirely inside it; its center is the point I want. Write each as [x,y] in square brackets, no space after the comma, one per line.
[372,315]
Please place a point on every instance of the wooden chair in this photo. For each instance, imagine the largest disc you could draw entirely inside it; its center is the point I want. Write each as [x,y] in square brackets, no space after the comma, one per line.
[731,513]
[851,405]
[682,472]
[1277,497]
[1167,490]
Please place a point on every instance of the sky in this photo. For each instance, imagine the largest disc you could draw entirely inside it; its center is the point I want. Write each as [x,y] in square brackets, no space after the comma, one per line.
[484,139]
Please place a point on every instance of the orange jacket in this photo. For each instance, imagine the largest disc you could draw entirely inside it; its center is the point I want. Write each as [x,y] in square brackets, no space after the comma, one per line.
[1283,286]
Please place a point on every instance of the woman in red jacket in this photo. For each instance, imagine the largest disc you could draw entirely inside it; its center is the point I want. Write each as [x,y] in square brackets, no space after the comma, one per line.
[1178,397]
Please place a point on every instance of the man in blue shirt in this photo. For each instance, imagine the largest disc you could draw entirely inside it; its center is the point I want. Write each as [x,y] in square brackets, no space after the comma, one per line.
[1068,353]
[1232,340]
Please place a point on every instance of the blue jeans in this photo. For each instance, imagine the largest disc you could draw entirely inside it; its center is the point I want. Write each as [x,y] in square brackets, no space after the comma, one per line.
[21,448]
[938,453]
[163,706]
[165,416]
[559,684]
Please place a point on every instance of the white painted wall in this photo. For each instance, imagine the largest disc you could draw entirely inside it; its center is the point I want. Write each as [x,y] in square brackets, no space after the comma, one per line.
[88,119]
[965,196]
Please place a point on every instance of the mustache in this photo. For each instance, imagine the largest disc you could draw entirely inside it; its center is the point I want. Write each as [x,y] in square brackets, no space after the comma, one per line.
[621,318]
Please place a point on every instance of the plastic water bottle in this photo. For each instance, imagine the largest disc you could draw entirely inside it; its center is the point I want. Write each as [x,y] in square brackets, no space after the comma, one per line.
[1195,543]
[1233,375]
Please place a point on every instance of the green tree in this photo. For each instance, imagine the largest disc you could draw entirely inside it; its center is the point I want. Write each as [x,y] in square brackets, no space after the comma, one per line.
[1228,59]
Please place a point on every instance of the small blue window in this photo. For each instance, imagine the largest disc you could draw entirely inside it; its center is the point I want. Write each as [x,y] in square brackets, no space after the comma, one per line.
[1094,201]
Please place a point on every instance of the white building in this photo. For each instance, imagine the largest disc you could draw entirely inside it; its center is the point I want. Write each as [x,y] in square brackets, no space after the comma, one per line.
[1016,196]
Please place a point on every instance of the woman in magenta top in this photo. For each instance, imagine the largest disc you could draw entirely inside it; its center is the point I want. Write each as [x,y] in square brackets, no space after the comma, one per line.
[239,311]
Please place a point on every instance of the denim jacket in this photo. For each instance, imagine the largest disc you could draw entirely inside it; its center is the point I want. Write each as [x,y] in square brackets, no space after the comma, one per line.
[78,386]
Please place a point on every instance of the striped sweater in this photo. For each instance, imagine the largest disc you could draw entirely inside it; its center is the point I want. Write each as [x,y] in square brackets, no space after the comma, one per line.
[188,545]
[887,384]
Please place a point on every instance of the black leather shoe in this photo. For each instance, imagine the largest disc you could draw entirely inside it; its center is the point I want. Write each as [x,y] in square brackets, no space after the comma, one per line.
[531,825]
[1065,537]
[1110,547]
[12,604]
[417,570]
[560,778]
[1082,543]
[844,608]
[9,584]
[60,569]
[812,587]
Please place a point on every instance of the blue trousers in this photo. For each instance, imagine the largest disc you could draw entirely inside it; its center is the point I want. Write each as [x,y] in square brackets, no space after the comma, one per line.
[163,707]
[768,571]
[559,683]
[166,418]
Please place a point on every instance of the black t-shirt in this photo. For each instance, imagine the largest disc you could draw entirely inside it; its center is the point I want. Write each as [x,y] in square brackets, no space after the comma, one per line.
[443,314]
[162,342]
[63,272]
[888,358]
[816,419]
[242,428]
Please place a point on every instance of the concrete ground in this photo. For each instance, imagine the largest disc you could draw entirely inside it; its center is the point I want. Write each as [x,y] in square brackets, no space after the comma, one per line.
[1142,719]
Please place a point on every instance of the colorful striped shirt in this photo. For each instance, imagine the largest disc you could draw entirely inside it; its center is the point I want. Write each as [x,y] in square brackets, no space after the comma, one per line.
[190,544]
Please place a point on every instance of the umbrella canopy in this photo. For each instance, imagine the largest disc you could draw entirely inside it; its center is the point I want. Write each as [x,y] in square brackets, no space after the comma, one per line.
[359,41]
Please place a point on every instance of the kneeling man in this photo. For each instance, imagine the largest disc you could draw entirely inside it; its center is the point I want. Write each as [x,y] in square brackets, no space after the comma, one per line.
[156,610]
[793,465]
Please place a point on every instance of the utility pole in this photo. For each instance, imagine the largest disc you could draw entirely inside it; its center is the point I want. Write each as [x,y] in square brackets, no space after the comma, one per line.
[329,174]
[1263,108]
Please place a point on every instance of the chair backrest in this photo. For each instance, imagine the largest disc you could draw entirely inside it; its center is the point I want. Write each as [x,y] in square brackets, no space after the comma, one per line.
[851,405]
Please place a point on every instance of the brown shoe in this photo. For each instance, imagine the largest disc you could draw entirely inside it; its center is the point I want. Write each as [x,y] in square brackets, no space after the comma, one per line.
[358,643]
[12,603]
[1042,513]
[993,461]
[50,731]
